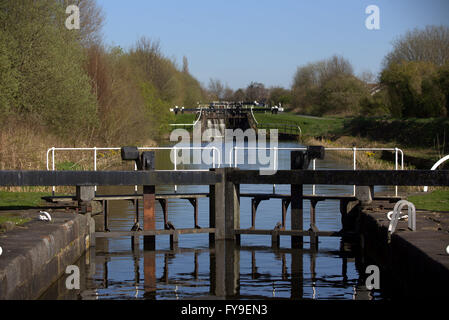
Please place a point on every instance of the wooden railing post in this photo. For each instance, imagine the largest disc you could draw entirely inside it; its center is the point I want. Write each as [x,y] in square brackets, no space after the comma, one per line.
[225,207]
[296,202]
[232,198]
[212,218]
[149,206]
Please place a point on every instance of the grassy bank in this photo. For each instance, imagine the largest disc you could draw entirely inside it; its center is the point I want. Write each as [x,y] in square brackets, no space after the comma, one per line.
[21,199]
[184,118]
[437,200]
[310,126]
[421,139]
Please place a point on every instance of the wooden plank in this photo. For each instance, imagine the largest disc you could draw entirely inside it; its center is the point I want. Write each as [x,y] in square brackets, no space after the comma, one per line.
[106,178]
[131,178]
[345,177]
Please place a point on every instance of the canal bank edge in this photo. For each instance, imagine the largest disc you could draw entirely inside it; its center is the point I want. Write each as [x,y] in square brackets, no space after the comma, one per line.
[415,263]
[35,257]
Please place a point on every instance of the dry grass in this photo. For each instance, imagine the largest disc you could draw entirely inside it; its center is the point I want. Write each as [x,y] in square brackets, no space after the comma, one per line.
[23,146]
[365,160]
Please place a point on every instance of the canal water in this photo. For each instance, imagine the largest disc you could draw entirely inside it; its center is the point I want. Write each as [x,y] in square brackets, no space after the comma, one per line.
[112,270]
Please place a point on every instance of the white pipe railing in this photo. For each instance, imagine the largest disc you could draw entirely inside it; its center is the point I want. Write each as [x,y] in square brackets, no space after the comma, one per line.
[215,155]
[435,166]
[234,151]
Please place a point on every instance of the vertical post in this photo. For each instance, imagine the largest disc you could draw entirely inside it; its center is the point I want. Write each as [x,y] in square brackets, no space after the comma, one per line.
[149,270]
[225,269]
[226,207]
[105,213]
[53,167]
[232,209]
[285,204]
[135,239]
[137,210]
[219,206]
[149,217]
[149,206]
[253,213]
[149,223]
[313,228]
[314,168]
[175,164]
[297,276]
[396,168]
[296,202]
[354,164]
[275,239]
[135,169]
[313,273]
[212,223]
[95,163]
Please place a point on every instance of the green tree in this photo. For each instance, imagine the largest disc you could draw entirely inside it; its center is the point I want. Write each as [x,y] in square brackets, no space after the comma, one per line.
[157,111]
[413,89]
[376,104]
[48,60]
[341,94]
[327,87]
[280,95]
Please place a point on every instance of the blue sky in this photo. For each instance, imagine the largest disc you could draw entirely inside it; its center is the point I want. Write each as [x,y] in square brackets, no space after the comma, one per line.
[266,40]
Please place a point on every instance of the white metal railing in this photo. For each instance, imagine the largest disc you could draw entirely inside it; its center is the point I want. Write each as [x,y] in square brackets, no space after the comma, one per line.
[435,166]
[234,152]
[216,155]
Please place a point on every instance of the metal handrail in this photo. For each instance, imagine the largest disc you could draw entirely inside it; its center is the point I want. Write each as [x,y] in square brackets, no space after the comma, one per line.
[289,128]
[216,154]
[234,150]
[435,166]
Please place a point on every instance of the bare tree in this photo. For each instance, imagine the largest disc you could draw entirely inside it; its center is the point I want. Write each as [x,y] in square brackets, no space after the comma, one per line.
[185,65]
[228,94]
[430,44]
[216,89]
[368,77]
[239,95]
[91,20]
[256,92]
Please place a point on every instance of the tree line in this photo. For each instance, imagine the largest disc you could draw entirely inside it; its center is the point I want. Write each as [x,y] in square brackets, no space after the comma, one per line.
[80,88]
[414,81]
[254,92]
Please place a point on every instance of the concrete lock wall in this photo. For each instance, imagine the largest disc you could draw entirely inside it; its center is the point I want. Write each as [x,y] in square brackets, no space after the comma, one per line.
[35,257]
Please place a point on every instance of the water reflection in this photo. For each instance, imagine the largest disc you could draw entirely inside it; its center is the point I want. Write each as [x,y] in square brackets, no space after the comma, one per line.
[226,271]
